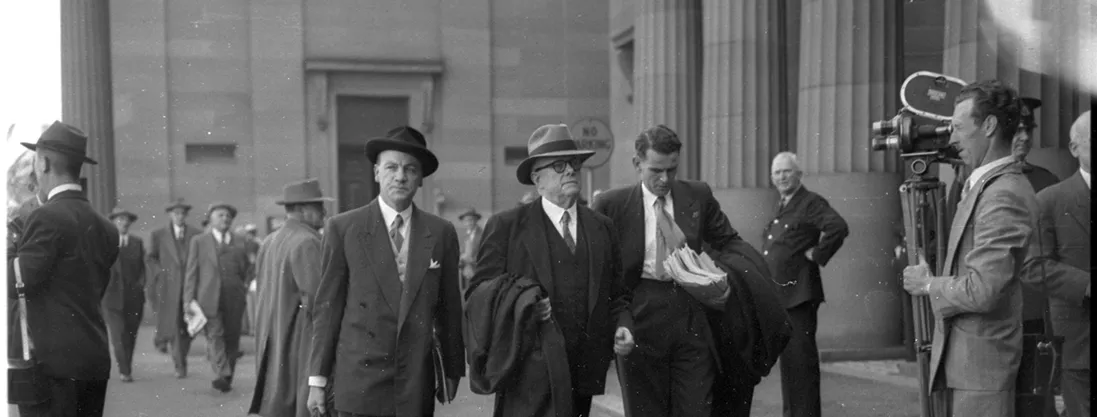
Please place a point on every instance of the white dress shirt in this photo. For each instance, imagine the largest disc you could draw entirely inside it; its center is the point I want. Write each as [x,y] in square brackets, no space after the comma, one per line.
[124,240]
[178,231]
[222,238]
[982,171]
[388,214]
[556,213]
[59,189]
[650,227]
[1085,177]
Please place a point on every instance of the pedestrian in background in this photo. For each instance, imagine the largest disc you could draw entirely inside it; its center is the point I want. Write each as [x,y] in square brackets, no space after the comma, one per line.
[802,237]
[124,301]
[470,245]
[167,259]
[65,253]
[287,274]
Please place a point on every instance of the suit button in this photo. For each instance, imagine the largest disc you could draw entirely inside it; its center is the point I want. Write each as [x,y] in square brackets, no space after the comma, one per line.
[771,237]
[774,221]
[764,253]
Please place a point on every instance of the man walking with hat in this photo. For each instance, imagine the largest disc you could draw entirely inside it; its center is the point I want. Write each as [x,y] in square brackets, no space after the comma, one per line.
[124,301]
[64,256]
[167,259]
[570,250]
[287,274]
[470,245]
[389,289]
[217,274]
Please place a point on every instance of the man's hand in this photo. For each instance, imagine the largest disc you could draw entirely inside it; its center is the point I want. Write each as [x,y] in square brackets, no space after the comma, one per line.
[916,278]
[316,403]
[544,309]
[622,341]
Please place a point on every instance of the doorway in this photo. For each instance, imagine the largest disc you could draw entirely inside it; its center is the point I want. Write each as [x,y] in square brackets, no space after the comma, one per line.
[359,119]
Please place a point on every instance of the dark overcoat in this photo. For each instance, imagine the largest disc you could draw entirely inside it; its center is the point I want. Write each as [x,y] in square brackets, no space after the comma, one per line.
[167,256]
[126,291]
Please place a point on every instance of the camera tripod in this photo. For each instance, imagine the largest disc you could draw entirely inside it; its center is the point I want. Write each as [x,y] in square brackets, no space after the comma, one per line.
[924,219]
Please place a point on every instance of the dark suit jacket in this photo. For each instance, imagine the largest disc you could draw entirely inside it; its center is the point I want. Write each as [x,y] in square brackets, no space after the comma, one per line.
[1034,303]
[696,212]
[381,332]
[208,271]
[166,272]
[1060,264]
[126,291]
[65,253]
[794,230]
[515,242]
[977,305]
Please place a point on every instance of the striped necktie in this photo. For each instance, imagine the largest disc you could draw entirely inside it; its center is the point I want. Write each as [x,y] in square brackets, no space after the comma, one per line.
[565,220]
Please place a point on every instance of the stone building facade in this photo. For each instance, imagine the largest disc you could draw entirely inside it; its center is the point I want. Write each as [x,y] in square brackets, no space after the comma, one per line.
[741,80]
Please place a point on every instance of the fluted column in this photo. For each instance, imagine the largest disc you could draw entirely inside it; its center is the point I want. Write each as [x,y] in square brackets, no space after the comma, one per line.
[850,54]
[667,73]
[977,49]
[741,99]
[86,91]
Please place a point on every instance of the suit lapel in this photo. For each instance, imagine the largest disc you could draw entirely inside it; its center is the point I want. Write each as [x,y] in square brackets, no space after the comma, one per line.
[594,245]
[965,210]
[420,247]
[1080,211]
[634,237]
[536,242]
[685,212]
[377,248]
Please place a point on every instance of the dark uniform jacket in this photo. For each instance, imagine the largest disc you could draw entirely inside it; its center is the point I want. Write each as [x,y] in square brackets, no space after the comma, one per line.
[796,228]
[65,254]
[126,291]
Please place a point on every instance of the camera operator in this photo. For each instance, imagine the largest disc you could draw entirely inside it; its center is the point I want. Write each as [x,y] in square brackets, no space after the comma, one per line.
[977,338]
[1060,267]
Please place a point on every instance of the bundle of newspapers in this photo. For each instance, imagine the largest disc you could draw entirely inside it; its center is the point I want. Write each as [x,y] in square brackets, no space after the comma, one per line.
[699,276]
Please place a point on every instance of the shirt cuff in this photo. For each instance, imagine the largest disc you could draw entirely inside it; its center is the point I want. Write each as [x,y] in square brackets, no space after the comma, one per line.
[318,381]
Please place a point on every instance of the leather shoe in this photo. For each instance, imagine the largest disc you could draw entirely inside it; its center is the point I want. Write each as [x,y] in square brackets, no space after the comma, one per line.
[222,384]
[127,378]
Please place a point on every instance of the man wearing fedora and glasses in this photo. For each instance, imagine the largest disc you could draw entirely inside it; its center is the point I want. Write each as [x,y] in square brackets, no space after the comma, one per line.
[287,274]
[124,301]
[569,249]
[65,254]
[389,289]
[167,259]
[218,270]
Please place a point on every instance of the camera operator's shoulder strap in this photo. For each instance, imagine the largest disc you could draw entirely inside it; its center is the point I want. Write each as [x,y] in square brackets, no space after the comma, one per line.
[21,291]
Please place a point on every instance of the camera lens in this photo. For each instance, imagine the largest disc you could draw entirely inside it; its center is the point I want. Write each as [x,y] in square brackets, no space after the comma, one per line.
[883,127]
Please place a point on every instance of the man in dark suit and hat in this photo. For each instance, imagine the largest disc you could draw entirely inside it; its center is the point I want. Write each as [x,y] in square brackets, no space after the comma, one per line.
[470,245]
[167,259]
[571,250]
[218,271]
[389,289]
[65,254]
[124,301]
[287,274]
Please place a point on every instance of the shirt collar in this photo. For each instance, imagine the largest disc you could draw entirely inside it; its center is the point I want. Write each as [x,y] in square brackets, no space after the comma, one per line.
[1085,177]
[62,188]
[389,214]
[555,212]
[650,197]
[982,171]
[221,236]
[786,198]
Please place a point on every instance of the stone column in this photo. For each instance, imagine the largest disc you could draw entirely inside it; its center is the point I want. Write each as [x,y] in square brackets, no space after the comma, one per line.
[668,73]
[742,121]
[976,49]
[849,76]
[86,91]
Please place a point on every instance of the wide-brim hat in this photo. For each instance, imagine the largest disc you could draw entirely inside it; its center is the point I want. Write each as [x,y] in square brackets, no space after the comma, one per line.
[470,213]
[221,205]
[63,138]
[546,142]
[118,211]
[407,140]
[178,203]
[302,192]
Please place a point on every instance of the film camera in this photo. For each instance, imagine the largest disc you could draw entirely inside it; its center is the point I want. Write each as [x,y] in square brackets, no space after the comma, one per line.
[921,129]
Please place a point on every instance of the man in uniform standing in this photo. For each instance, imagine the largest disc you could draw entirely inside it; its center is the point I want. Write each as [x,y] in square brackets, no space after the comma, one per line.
[124,301]
[167,258]
[288,272]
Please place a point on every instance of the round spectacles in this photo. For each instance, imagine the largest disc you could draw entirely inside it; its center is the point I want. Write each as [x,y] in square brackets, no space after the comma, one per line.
[560,166]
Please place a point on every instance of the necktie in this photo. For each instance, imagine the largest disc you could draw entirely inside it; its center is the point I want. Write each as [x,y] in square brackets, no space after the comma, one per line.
[395,235]
[565,220]
[660,239]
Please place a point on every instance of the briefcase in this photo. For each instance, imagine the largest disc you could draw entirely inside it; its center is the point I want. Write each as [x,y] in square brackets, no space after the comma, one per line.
[27,384]
[1037,374]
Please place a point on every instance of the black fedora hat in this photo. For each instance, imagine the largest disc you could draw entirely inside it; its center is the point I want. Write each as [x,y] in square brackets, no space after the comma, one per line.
[470,213]
[178,203]
[545,142]
[221,205]
[118,211]
[63,138]
[407,140]
[301,192]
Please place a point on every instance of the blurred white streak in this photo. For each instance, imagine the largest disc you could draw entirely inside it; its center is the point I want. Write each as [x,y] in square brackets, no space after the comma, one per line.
[1069,27]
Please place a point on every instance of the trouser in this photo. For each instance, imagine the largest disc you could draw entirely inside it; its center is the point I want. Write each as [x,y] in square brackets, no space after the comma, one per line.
[730,397]
[963,403]
[1076,395]
[122,327]
[70,398]
[671,370]
[800,364]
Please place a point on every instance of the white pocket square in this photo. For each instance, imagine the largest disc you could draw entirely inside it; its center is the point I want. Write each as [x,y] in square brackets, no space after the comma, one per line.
[434,264]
